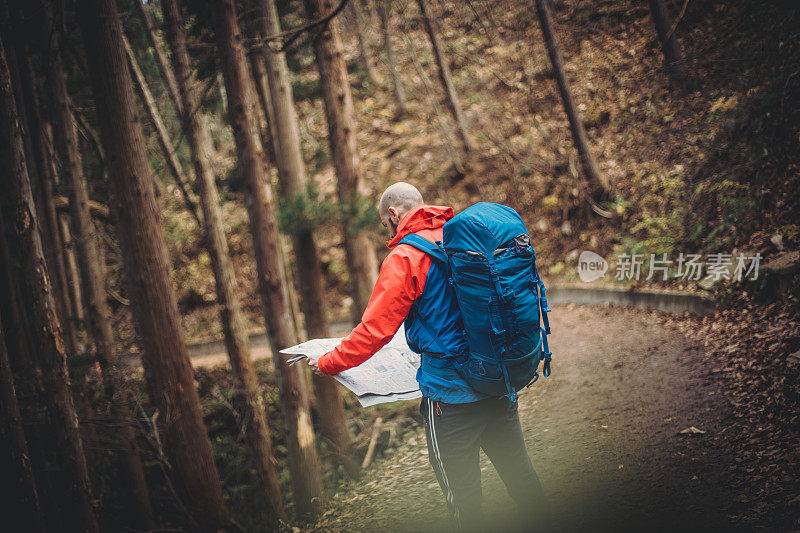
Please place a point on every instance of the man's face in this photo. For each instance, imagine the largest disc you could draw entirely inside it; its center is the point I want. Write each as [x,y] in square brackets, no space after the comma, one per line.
[390,221]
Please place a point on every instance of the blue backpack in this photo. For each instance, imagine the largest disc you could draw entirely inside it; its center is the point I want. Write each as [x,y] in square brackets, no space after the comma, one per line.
[492,267]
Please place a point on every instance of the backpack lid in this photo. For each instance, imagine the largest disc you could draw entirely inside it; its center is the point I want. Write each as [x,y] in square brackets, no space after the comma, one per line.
[482,227]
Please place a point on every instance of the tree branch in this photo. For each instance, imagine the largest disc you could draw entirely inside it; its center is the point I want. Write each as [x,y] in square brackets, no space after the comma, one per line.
[294,33]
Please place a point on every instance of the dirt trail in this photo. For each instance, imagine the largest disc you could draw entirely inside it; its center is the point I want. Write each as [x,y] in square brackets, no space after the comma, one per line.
[603,433]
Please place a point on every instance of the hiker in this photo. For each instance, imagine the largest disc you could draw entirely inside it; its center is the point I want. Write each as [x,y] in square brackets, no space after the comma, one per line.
[459,421]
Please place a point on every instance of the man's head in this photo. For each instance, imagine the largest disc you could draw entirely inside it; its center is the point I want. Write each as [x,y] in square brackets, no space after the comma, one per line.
[397,200]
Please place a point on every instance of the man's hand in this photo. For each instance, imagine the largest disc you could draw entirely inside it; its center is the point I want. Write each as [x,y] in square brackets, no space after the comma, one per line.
[313,363]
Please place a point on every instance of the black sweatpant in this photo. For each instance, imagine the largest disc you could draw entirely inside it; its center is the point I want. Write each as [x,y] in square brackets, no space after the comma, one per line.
[456,433]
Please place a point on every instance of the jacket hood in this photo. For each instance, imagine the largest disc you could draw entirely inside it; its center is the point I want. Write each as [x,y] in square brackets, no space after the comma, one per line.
[420,218]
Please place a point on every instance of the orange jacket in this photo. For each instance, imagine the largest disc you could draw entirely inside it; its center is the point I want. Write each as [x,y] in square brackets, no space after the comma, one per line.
[400,282]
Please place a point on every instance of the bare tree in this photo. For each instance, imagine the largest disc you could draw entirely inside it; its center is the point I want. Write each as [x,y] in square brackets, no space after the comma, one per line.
[669,42]
[168,372]
[294,189]
[248,401]
[161,57]
[42,181]
[292,381]
[362,262]
[444,75]
[78,513]
[73,278]
[91,265]
[161,132]
[598,187]
[363,51]
[388,48]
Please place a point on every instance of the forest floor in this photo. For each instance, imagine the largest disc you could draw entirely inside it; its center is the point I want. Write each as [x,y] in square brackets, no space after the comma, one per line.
[604,433]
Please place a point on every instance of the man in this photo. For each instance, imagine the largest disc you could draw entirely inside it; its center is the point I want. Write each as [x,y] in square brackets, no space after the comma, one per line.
[458,420]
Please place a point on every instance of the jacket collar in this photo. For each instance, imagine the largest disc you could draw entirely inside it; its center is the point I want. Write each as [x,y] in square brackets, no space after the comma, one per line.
[419,218]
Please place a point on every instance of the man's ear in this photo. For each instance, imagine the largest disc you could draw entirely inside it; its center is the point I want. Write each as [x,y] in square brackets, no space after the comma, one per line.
[394,213]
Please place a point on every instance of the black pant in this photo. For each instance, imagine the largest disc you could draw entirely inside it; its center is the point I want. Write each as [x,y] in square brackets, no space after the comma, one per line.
[456,433]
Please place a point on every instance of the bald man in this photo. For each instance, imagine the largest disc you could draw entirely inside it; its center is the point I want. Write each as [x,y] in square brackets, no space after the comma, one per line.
[459,421]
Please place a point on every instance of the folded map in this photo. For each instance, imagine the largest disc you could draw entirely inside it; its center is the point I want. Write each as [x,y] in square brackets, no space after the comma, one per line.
[388,376]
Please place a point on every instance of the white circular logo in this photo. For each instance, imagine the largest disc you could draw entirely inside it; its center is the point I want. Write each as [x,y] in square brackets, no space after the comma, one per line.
[591,266]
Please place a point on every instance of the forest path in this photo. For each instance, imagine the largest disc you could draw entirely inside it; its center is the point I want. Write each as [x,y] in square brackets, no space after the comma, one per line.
[603,434]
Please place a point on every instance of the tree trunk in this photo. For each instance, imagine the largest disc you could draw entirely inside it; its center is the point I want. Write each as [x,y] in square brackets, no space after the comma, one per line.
[269,137]
[18,475]
[248,398]
[264,110]
[168,372]
[362,262]
[598,188]
[269,141]
[294,188]
[363,53]
[42,180]
[388,48]
[161,132]
[292,381]
[29,388]
[49,347]
[91,265]
[71,263]
[444,75]
[161,58]
[669,43]
[37,159]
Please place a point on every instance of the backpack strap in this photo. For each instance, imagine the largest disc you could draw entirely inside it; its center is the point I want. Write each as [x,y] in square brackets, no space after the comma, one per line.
[436,252]
[430,248]
[544,308]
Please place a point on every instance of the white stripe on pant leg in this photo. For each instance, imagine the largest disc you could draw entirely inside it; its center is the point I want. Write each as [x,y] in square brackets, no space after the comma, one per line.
[437,454]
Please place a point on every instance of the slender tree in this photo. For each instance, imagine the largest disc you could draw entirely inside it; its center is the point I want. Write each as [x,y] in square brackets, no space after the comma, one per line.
[249,401]
[71,262]
[42,181]
[669,42]
[391,62]
[91,264]
[28,382]
[78,513]
[598,187]
[170,156]
[37,160]
[264,110]
[444,75]
[18,478]
[168,372]
[292,381]
[294,191]
[159,49]
[362,262]
[64,134]
[363,54]
[260,85]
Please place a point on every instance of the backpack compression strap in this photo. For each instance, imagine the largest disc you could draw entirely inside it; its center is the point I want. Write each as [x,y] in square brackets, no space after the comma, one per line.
[543,310]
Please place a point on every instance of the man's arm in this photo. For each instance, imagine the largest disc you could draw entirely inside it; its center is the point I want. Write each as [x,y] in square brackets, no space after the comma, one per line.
[400,282]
